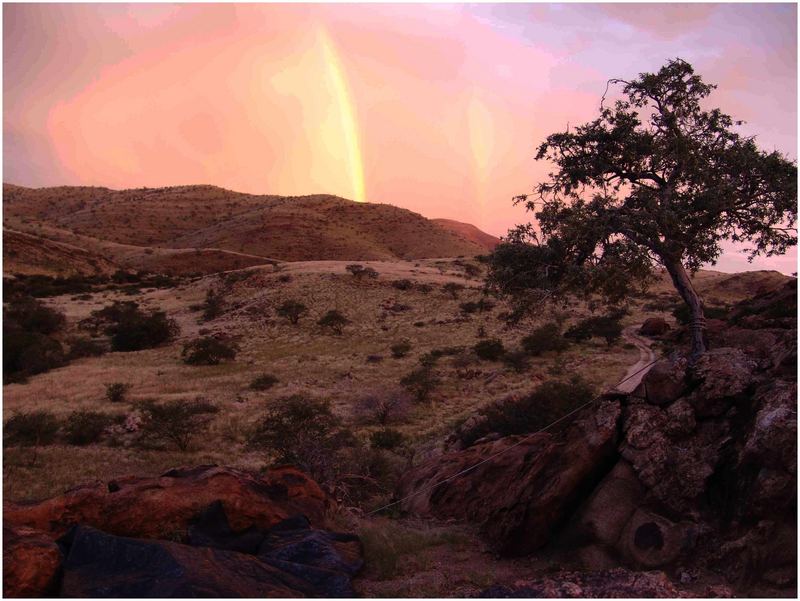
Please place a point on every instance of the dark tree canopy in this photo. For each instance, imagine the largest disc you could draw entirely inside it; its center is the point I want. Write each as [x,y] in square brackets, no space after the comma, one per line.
[655,179]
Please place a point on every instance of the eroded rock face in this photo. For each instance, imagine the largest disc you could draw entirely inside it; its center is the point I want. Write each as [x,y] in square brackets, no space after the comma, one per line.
[163,507]
[525,487]
[664,383]
[592,585]
[654,326]
[721,377]
[31,563]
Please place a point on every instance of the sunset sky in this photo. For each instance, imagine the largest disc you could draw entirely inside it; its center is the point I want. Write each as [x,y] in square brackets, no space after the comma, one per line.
[435,108]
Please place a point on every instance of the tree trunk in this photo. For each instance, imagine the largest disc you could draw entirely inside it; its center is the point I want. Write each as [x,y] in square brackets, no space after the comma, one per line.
[697,320]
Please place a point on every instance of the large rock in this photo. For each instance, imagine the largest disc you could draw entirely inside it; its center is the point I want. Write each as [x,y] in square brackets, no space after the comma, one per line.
[519,489]
[664,383]
[31,563]
[102,565]
[164,506]
[721,376]
[606,584]
[654,326]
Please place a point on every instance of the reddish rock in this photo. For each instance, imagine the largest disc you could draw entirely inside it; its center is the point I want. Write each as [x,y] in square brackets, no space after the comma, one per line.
[524,487]
[162,507]
[606,584]
[31,563]
[721,375]
[664,382]
[654,326]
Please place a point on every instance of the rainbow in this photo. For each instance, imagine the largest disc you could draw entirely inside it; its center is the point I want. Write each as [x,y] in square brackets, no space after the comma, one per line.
[347,115]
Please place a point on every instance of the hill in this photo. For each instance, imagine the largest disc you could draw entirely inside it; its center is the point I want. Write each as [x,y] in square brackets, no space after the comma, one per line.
[469,232]
[207,218]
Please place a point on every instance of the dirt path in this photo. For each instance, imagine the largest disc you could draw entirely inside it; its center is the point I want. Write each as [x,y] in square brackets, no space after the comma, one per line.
[646,355]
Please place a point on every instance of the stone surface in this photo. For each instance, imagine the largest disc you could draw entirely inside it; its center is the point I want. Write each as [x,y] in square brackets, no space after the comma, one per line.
[664,383]
[524,487]
[720,377]
[163,506]
[31,563]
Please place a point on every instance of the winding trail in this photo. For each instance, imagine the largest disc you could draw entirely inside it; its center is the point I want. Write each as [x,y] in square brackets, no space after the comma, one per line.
[646,355]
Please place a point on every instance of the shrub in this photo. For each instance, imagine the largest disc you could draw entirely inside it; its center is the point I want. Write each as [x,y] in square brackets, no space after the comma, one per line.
[213,304]
[86,427]
[607,327]
[682,315]
[402,284]
[305,432]
[292,310]
[334,321]
[544,339]
[401,349]
[517,360]
[452,289]
[550,401]
[360,272]
[264,382]
[117,391]
[33,316]
[85,347]
[208,351]
[387,439]
[132,329]
[175,422]
[469,307]
[420,382]
[489,350]
[30,429]
[384,406]
[28,353]
[424,288]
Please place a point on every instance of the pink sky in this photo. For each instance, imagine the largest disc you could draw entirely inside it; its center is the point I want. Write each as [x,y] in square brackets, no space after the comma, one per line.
[435,108]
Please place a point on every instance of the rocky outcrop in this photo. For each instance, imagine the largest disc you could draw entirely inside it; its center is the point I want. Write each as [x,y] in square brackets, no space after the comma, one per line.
[604,584]
[664,382]
[519,489]
[654,326]
[163,506]
[31,563]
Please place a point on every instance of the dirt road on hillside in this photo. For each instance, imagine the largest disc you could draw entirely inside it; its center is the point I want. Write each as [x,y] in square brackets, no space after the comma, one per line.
[646,355]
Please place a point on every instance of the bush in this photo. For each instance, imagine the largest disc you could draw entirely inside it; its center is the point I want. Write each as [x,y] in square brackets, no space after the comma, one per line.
[86,427]
[30,429]
[85,347]
[360,272]
[420,382]
[292,310]
[452,289]
[432,357]
[607,327]
[213,304]
[175,422]
[132,329]
[517,360]
[550,401]
[402,284]
[469,307]
[264,382]
[384,406]
[304,432]
[401,349]
[117,391]
[31,315]
[208,351]
[424,288]
[387,439]
[544,339]
[28,353]
[682,314]
[489,350]
[334,321]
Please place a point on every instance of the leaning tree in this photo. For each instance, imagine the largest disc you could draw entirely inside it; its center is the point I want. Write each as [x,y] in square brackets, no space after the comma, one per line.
[657,179]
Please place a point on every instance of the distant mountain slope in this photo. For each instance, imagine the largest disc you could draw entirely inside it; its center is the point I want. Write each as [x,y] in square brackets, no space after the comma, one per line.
[30,254]
[319,227]
[469,232]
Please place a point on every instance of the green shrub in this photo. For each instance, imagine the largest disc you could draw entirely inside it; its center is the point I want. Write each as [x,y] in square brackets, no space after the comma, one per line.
[264,382]
[383,406]
[387,439]
[550,401]
[452,289]
[469,307]
[402,284]
[132,329]
[28,353]
[85,347]
[292,310]
[420,382]
[359,271]
[85,427]
[29,429]
[333,321]
[208,351]
[544,339]
[517,360]
[175,422]
[31,315]
[683,315]
[401,349]
[607,327]
[213,304]
[117,391]
[489,350]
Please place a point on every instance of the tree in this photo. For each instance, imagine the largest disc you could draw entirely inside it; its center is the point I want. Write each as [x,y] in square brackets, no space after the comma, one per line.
[654,180]
[334,321]
[292,310]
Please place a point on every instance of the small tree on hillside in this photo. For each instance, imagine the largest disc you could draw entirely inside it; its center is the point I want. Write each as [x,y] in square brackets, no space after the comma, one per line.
[334,321]
[655,179]
[292,310]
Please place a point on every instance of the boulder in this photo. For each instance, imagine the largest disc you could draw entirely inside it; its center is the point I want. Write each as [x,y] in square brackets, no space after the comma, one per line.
[603,584]
[102,565]
[518,489]
[654,326]
[720,377]
[31,563]
[164,506]
[664,383]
